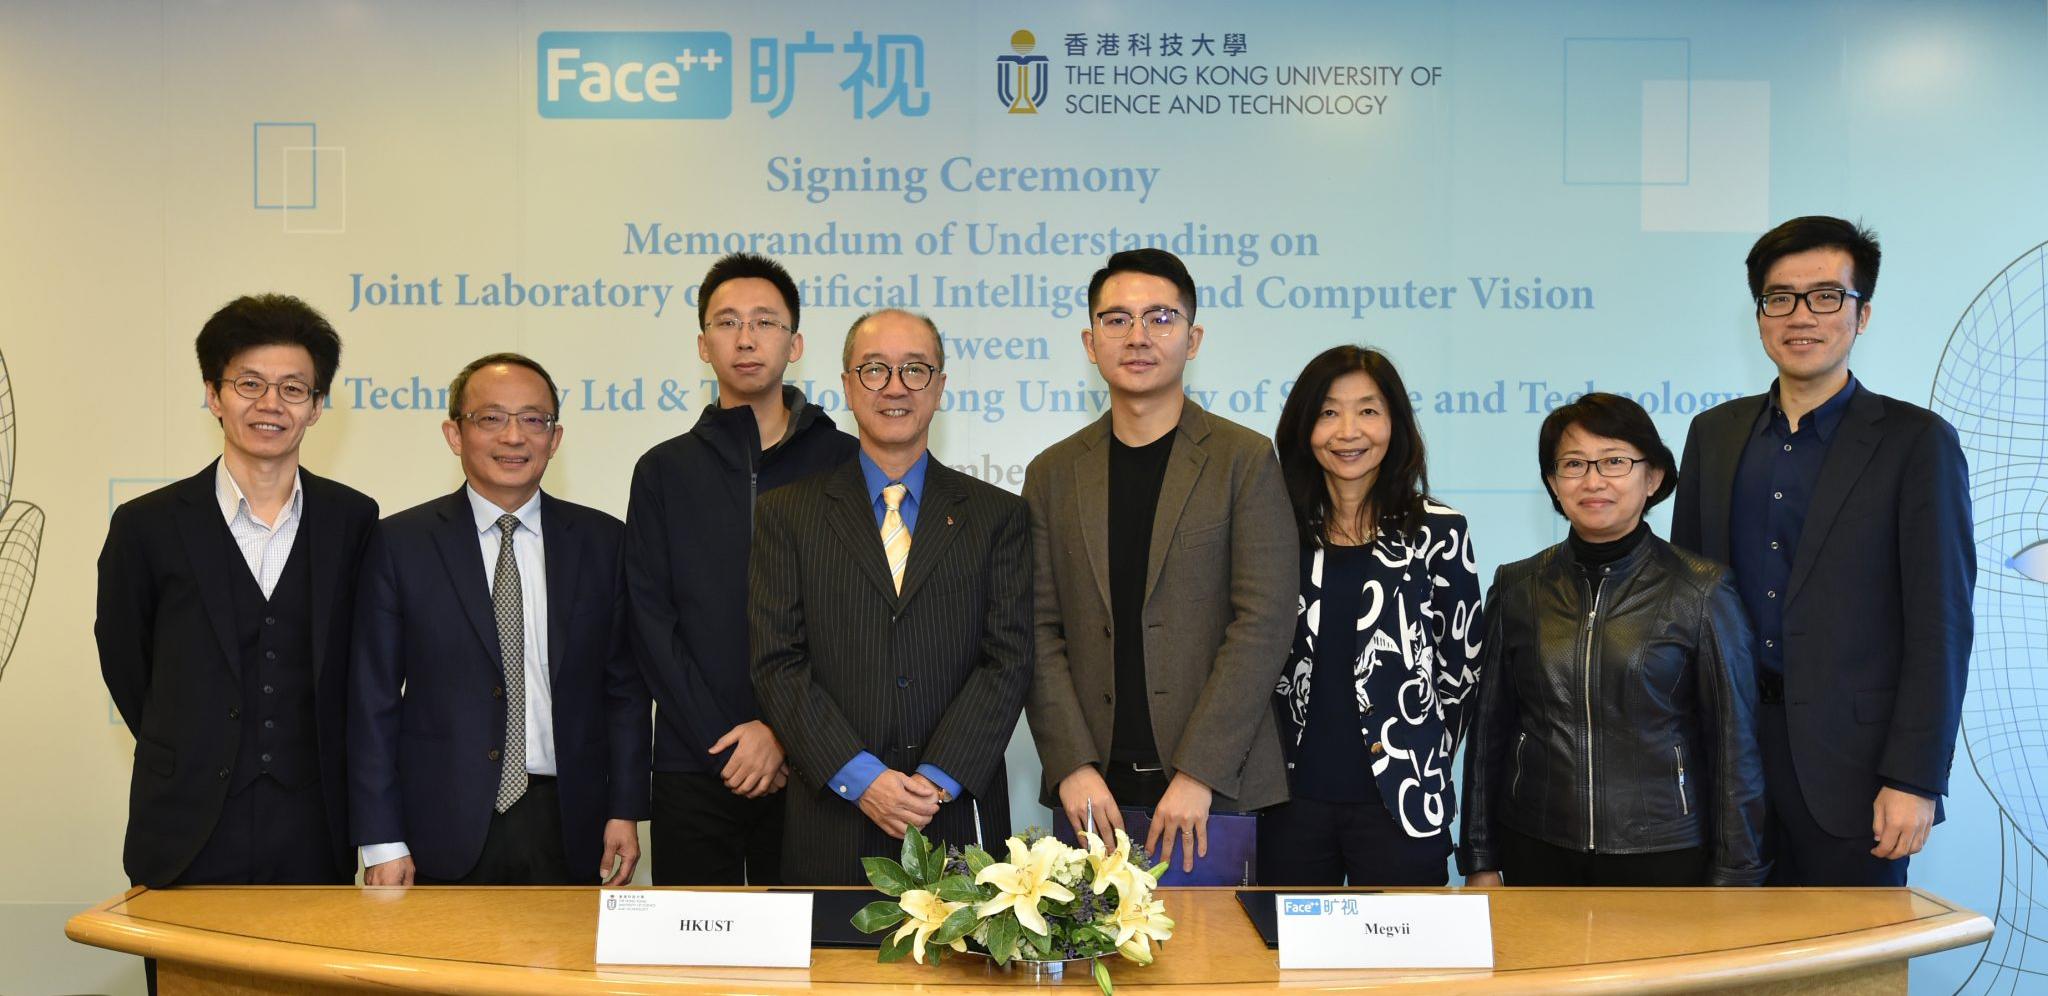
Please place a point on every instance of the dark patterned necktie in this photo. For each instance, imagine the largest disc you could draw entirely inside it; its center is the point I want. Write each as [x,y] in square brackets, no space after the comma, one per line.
[506,602]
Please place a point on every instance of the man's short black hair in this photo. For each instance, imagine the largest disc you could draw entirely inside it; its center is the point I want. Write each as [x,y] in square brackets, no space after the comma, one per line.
[1816,231]
[1158,263]
[461,382]
[734,266]
[1613,417]
[257,320]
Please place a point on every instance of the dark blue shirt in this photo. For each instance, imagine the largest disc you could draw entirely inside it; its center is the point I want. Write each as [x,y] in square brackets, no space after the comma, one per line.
[1774,484]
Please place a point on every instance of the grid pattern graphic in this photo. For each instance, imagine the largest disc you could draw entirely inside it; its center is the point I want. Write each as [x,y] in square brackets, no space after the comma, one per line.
[21,532]
[1992,385]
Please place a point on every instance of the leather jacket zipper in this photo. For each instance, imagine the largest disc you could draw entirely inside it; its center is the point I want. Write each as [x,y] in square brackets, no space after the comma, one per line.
[1515,790]
[1684,807]
[1587,677]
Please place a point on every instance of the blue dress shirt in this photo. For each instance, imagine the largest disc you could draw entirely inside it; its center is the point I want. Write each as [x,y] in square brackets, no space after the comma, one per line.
[852,781]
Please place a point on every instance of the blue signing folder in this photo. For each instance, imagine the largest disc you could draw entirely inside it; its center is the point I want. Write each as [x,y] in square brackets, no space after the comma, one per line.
[1233,846]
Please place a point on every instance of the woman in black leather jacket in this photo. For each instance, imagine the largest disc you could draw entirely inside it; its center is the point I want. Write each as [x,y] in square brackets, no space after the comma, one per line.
[1614,741]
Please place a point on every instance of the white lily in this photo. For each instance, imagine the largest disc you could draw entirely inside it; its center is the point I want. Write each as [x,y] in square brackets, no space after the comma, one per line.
[1024,880]
[924,912]
[1113,868]
[1140,920]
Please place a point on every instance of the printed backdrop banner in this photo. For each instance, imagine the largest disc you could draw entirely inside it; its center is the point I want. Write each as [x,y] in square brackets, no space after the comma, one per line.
[1517,202]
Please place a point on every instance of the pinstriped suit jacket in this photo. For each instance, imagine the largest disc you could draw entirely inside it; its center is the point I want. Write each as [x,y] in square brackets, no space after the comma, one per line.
[843,664]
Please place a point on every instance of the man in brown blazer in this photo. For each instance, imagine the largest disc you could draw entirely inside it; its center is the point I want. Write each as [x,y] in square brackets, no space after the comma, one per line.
[1166,562]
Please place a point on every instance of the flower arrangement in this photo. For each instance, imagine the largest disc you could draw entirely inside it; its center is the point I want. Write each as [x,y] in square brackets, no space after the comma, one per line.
[1048,902]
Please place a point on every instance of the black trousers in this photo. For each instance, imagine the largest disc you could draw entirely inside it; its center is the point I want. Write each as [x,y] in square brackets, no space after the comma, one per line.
[1316,843]
[704,834]
[1801,852]
[1134,787]
[524,844]
[1524,860]
[268,834]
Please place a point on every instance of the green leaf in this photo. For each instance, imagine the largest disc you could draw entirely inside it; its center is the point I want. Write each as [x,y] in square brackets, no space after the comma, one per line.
[887,876]
[876,916]
[1039,944]
[977,859]
[956,926]
[958,889]
[1003,934]
[1102,977]
[915,850]
[895,949]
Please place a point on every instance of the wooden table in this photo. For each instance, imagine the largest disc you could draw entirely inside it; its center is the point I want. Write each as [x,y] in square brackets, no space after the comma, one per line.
[278,939]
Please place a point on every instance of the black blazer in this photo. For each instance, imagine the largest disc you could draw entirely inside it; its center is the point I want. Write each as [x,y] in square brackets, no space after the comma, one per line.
[422,764]
[843,664]
[1877,617]
[166,637]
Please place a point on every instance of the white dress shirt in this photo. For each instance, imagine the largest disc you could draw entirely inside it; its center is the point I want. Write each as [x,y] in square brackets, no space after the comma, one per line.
[530,554]
[265,546]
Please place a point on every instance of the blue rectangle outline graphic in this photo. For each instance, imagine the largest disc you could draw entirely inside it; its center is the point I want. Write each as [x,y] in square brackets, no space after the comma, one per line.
[1564,117]
[256,165]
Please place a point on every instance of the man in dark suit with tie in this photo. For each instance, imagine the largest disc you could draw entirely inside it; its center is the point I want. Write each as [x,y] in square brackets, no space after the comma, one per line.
[498,729]
[223,626]
[890,616]
[1846,517]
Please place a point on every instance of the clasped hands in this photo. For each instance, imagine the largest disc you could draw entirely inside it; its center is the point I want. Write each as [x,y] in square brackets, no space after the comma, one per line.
[896,801]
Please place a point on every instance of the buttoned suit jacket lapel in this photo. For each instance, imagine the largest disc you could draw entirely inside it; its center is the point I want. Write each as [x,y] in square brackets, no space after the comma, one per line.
[852,516]
[323,545]
[936,525]
[1855,441]
[1720,457]
[1090,499]
[199,521]
[563,562]
[462,556]
[1183,470]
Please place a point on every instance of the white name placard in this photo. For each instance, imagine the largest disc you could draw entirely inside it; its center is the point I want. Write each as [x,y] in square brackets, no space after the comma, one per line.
[740,929]
[1348,930]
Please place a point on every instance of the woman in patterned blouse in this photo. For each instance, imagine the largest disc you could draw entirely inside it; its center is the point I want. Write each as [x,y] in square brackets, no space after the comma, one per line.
[1386,645]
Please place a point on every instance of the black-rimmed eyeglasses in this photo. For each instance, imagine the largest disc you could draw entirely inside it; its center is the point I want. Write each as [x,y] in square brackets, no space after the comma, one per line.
[874,375]
[1611,466]
[1820,301]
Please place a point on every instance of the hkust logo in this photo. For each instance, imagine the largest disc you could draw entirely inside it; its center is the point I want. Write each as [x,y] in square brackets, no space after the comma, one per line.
[1022,78]
[635,74]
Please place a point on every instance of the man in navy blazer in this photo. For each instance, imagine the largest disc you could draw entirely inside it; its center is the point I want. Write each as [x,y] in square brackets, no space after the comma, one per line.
[498,730]
[1846,517]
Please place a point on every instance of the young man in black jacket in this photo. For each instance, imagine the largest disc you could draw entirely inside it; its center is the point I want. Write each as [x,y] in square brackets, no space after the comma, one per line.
[689,529]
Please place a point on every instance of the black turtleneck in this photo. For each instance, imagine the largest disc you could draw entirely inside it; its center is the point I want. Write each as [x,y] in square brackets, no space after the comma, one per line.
[1591,554]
